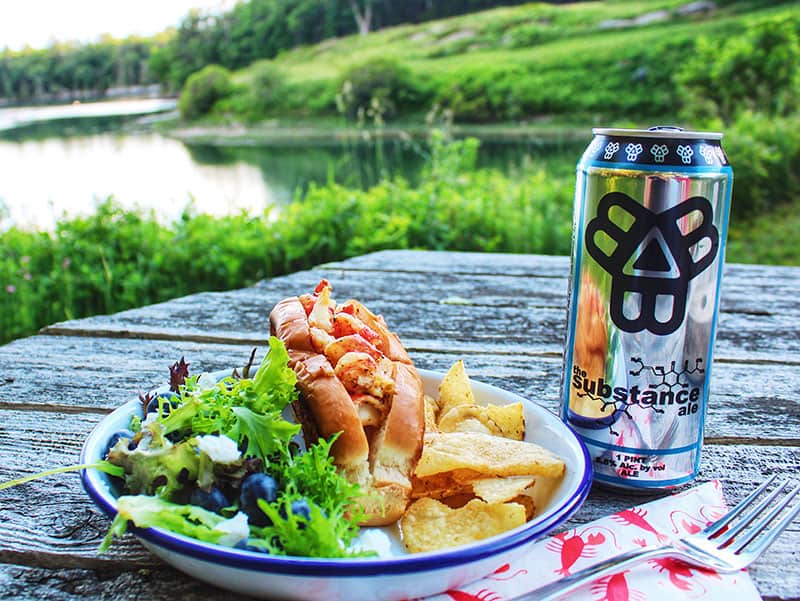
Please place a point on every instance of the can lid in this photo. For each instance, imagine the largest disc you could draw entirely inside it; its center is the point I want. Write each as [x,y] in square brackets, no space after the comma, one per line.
[660,131]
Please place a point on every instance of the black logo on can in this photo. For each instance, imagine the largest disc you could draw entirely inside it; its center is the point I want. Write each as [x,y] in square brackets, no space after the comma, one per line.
[651,258]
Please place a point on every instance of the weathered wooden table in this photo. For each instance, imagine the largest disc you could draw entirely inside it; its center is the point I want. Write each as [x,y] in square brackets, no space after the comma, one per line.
[504,314]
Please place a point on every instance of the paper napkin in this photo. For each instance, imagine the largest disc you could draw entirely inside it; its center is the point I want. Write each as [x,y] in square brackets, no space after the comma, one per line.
[661,579]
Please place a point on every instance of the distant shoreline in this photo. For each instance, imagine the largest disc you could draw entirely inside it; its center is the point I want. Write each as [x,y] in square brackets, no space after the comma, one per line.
[324,133]
[14,117]
[320,131]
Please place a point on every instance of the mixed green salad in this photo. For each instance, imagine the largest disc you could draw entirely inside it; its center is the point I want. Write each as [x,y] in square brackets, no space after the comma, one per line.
[215,460]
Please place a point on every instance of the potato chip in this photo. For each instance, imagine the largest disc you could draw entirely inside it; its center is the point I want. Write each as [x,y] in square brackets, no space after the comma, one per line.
[429,524]
[438,486]
[500,490]
[501,420]
[528,503]
[543,490]
[486,454]
[431,411]
[455,389]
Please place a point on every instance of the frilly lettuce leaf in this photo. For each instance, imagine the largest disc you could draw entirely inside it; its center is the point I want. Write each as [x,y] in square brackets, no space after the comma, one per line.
[164,469]
[247,411]
[148,511]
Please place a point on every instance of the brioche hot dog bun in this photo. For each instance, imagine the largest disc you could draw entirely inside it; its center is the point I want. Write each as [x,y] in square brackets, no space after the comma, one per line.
[355,379]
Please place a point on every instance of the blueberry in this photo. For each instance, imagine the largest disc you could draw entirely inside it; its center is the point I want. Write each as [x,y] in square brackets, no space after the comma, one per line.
[301,509]
[171,401]
[212,499]
[115,438]
[244,546]
[254,487]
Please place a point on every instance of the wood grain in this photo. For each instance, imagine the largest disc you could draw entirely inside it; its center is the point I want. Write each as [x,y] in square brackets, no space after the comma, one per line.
[742,408]
[470,312]
[503,314]
[52,523]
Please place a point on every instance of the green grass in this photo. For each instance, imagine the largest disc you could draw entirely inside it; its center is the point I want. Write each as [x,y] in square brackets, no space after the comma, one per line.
[519,62]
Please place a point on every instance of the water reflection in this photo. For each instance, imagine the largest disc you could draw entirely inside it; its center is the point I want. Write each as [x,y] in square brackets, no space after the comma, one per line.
[56,168]
[42,180]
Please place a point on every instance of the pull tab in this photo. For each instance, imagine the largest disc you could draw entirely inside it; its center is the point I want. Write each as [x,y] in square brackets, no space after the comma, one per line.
[665,128]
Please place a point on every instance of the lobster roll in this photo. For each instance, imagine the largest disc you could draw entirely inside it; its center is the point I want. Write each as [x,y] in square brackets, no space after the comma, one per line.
[356,380]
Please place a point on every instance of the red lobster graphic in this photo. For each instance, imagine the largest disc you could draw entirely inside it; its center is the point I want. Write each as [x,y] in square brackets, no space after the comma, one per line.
[688,523]
[680,573]
[502,573]
[483,595]
[635,517]
[615,588]
[572,547]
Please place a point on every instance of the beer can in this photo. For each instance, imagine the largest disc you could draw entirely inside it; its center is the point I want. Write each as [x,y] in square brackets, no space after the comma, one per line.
[649,230]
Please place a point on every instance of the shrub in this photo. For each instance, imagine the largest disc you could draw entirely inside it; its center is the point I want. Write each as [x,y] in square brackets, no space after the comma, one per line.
[764,152]
[267,86]
[759,70]
[380,84]
[116,259]
[203,89]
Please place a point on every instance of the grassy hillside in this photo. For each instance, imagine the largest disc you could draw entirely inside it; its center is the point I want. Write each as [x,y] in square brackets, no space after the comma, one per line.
[596,60]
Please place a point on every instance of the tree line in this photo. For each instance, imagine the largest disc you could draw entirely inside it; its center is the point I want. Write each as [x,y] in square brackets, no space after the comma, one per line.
[68,71]
[250,31]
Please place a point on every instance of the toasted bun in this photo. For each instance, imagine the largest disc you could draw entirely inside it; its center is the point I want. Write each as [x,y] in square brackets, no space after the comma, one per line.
[380,457]
[332,409]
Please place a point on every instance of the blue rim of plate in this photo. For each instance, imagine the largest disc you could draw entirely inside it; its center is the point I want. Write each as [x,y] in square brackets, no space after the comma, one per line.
[345,568]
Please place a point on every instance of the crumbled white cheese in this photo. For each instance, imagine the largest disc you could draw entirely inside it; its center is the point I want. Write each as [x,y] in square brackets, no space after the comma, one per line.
[220,449]
[233,530]
[206,381]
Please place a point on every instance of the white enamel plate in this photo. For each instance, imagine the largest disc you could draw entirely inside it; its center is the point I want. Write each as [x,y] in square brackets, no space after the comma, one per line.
[394,574]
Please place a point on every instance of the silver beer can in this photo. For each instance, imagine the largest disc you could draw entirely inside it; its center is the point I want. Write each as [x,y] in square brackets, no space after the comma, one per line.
[649,230]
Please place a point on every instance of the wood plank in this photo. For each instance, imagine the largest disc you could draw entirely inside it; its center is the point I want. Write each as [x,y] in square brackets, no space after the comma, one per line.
[744,286]
[167,584]
[469,313]
[159,583]
[97,374]
[106,372]
[51,523]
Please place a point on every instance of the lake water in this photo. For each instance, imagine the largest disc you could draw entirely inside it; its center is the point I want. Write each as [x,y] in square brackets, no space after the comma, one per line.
[56,166]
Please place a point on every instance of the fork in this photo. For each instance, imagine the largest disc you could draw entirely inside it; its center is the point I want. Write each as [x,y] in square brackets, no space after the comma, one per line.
[720,546]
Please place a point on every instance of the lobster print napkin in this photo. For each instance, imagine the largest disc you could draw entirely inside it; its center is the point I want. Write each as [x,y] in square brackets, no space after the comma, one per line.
[657,580]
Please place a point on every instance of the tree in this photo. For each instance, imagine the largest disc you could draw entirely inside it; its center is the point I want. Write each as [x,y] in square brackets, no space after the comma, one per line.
[363,16]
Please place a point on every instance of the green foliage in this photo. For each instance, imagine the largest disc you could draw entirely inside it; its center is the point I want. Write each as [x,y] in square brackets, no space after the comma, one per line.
[204,89]
[267,86]
[765,153]
[382,85]
[758,70]
[69,71]
[770,238]
[117,259]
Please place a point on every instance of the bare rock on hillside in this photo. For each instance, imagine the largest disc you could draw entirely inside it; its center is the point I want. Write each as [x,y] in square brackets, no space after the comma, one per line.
[457,36]
[693,8]
[645,19]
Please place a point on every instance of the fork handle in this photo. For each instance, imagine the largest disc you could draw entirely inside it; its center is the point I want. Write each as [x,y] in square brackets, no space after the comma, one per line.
[569,583]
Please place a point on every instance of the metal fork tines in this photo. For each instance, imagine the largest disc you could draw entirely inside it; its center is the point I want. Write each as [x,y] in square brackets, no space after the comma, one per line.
[735,542]
[730,544]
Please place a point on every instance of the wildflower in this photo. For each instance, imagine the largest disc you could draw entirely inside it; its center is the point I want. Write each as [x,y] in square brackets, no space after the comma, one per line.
[25,259]
[27,276]
[11,288]
[66,262]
